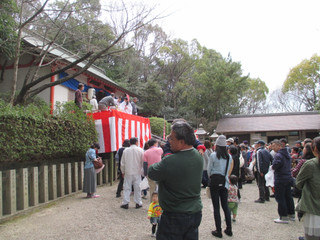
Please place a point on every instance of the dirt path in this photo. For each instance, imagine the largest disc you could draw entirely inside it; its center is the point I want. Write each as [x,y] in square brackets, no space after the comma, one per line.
[78,218]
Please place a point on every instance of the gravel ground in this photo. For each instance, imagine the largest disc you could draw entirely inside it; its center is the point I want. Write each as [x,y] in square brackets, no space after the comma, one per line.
[76,217]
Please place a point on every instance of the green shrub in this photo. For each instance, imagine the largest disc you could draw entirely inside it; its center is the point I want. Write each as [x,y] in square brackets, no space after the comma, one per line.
[157,125]
[30,133]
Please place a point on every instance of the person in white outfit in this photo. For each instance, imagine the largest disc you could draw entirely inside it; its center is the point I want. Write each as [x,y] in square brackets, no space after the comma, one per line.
[94,103]
[131,168]
[125,106]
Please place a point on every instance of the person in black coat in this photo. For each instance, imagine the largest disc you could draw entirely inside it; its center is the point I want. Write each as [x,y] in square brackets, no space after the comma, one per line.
[263,159]
[233,150]
[282,183]
[126,143]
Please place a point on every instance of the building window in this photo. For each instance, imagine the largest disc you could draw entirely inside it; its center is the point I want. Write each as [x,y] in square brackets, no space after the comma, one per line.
[293,133]
[262,134]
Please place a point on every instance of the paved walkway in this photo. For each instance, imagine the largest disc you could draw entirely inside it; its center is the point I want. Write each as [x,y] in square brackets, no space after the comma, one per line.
[78,218]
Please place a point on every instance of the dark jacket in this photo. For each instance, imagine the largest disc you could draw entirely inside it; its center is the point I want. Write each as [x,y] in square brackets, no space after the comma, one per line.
[282,167]
[236,165]
[134,108]
[120,152]
[264,159]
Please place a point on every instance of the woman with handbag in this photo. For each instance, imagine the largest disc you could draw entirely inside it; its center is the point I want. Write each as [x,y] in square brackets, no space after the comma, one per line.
[219,168]
[308,181]
[89,181]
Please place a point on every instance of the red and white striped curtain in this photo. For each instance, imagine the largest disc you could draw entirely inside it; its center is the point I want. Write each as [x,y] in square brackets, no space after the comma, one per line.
[114,127]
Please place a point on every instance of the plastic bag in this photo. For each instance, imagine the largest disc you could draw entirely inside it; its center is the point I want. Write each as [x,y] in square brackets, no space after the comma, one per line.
[251,166]
[269,177]
[144,184]
[241,161]
[249,176]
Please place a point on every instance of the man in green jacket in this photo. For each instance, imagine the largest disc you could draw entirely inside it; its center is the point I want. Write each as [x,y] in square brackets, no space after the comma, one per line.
[179,177]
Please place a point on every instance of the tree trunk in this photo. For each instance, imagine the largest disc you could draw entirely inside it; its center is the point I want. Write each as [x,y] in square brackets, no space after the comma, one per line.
[15,68]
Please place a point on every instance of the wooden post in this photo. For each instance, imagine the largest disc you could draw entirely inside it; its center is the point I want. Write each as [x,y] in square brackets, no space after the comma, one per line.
[22,189]
[43,184]
[60,180]
[111,169]
[10,198]
[52,181]
[1,204]
[75,178]
[80,174]
[33,186]
[67,172]
[106,172]
[100,178]
[115,170]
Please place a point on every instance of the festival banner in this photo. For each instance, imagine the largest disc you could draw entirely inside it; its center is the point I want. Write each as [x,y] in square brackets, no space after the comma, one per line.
[113,127]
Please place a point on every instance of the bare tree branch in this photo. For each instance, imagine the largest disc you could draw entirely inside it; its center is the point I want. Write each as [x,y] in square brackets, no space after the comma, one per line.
[34,15]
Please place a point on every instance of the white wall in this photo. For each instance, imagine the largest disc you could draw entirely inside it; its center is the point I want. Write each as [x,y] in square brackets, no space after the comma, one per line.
[6,85]
[61,94]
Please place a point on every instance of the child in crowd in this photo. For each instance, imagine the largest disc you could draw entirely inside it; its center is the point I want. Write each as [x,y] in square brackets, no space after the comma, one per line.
[154,213]
[233,197]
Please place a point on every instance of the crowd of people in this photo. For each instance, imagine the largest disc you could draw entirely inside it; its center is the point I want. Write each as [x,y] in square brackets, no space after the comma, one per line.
[103,102]
[177,170]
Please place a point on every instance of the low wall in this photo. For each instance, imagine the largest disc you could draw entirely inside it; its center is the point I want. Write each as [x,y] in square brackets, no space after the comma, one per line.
[28,187]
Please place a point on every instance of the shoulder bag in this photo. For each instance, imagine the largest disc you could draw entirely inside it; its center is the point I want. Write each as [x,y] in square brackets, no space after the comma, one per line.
[98,164]
[241,159]
[218,180]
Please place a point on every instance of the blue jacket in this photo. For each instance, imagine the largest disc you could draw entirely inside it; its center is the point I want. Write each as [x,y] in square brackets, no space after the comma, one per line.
[282,167]
[218,166]
[90,156]
[264,159]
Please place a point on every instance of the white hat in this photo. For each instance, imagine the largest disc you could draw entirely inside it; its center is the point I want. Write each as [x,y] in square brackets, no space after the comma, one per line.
[230,140]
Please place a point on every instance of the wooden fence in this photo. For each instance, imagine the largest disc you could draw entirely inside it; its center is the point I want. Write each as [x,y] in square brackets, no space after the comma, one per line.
[28,187]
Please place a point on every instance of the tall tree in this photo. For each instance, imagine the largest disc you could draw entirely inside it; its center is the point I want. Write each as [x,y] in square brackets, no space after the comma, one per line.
[152,96]
[138,65]
[216,87]
[175,62]
[255,96]
[280,101]
[303,82]
[8,9]
[56,19]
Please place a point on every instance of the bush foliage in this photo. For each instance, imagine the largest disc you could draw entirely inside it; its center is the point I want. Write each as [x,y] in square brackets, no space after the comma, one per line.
[157,125]
[30,133]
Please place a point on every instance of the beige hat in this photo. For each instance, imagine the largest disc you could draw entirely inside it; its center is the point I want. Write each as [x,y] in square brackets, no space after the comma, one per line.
[221,141]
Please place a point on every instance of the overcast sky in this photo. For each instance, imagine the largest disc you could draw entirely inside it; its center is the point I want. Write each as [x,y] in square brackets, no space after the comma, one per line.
[267,37]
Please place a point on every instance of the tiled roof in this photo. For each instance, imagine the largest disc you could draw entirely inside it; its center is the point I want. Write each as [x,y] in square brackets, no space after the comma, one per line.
[270,122]
[66,55]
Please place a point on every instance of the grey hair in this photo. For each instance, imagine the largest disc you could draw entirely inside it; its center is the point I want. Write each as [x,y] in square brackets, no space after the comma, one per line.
[277,142]
[184,132]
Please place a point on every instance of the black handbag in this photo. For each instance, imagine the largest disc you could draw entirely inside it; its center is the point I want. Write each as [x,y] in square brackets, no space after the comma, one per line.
[218,180]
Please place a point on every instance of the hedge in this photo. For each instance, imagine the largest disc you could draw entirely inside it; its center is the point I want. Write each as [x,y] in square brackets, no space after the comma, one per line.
[157,125]
[30,133]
